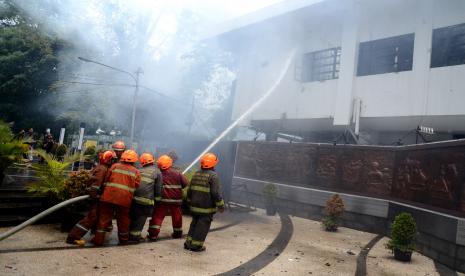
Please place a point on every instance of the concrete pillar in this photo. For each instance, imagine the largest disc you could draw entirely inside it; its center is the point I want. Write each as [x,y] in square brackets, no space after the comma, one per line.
[422,56]
[347,72]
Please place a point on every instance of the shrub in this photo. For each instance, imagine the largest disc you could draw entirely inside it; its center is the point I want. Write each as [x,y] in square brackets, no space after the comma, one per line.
[334,210]
[77,183]
[90,154]
[10,150]
[51,176]
[61,150]
[403,233]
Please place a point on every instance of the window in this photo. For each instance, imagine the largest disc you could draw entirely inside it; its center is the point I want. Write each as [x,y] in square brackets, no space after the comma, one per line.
[393,54]
[448,46]
[321,65]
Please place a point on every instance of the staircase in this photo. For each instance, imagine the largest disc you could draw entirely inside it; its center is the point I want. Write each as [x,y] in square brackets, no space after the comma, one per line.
[16,204]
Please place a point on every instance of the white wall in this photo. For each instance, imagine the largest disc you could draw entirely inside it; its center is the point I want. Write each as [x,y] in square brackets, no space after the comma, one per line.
[423,91]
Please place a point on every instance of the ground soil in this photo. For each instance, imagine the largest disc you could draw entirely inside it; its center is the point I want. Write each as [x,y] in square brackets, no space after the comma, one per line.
[241,243]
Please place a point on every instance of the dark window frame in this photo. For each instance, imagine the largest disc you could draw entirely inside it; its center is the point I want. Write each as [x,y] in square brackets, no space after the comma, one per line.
[448,46]
[321,65]
[387,55]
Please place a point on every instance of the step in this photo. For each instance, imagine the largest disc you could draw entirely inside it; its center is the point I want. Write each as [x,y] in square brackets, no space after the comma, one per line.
[19,205]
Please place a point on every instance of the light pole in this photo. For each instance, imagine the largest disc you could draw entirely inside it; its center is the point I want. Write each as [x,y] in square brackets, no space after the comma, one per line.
[136,81]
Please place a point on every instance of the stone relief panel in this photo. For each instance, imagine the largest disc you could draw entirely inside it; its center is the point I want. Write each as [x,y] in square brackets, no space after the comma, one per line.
[326,168]
[432,176]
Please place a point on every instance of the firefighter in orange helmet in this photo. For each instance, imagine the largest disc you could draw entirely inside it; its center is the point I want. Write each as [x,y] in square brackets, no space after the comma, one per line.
[144,196]
[171,199]
[204,197]
[95,190]
[118,147]
[122,180]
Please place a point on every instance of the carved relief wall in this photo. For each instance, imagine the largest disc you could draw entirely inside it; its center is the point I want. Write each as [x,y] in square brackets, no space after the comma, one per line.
[430,175]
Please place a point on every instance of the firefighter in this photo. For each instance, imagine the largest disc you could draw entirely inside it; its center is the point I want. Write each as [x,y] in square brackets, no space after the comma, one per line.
[144,196]
[118,147]
[122,180]
[97,179]
[204,197]
[171,199]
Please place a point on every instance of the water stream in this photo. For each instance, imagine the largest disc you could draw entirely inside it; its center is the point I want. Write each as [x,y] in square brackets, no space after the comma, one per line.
[248,111]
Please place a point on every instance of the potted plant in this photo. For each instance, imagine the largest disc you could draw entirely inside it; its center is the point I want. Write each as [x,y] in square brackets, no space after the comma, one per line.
[269,192]
[89,157]
[403,234]
[52,177]
[61,152]
[334,210]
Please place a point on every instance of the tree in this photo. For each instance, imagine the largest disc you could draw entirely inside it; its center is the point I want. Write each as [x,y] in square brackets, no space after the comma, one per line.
[28,63]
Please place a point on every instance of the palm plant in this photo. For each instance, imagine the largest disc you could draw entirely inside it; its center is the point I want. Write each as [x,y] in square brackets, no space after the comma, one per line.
[11,150]
[52,176]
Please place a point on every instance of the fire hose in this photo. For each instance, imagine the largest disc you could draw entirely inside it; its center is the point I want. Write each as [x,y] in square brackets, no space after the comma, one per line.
[45,213]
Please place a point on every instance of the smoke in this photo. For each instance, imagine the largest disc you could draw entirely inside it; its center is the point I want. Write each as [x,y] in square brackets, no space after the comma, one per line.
[155,36]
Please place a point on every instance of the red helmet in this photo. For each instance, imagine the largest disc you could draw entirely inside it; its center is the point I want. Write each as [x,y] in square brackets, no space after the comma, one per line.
[129,156]
[118,146]
[107,157]
[146,158]
[209,160]
[164,162]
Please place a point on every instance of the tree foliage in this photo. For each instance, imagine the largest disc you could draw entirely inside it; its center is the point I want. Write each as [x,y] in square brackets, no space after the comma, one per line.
[28,62]
[10,149]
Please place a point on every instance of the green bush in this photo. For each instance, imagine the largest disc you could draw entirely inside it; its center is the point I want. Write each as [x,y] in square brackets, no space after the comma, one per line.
[52,176]
[403,233]
[61,150]
[334,210]
[90,154]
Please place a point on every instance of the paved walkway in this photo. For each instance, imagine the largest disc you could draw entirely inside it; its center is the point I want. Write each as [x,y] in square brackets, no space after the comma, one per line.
[241,243]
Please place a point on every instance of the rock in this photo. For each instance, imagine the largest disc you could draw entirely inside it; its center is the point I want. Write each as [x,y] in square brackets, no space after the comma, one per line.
[96,267]
[276,254]
[327,264]
[350,252]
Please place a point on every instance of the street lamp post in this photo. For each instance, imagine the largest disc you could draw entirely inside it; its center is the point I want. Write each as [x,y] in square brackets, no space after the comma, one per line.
[136,81]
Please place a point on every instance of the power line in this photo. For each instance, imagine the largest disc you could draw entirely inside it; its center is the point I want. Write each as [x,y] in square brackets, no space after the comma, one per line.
[164,95]
[99,84]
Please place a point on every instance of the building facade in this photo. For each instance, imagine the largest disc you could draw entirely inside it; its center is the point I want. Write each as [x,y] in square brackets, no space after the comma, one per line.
[370,70]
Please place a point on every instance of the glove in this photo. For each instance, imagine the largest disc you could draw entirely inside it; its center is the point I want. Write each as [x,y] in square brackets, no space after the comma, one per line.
[221,209]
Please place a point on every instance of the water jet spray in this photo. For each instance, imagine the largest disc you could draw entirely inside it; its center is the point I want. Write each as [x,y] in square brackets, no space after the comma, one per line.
[248,111]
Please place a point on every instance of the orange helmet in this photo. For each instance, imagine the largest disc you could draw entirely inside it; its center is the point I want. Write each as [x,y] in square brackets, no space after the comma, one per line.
[129,156]
[118,146]
[106,157]
[164,162]
[209,160]
[146,158]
